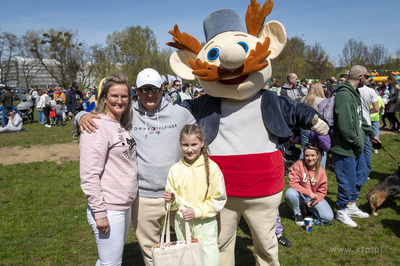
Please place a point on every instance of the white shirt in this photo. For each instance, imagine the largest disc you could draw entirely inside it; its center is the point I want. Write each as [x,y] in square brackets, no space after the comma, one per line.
[368,96]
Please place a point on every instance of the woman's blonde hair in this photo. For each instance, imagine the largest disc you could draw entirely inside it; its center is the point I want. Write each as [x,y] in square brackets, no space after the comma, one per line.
[198,131]
[314,91]
[101,107]
[312,146]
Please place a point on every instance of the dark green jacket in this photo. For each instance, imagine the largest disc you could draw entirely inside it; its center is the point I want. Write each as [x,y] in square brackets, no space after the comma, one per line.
[349,124]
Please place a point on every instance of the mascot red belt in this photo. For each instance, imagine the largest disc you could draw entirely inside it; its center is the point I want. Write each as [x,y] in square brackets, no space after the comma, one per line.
[243,123]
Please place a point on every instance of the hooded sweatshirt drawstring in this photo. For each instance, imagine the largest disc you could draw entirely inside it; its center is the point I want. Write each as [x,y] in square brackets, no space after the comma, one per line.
[145,123]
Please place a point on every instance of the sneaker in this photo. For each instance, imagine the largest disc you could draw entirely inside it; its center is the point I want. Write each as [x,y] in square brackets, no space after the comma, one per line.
[354,211]
[298,219]
[344,218]
[47,125]
[284,242]
[318,222]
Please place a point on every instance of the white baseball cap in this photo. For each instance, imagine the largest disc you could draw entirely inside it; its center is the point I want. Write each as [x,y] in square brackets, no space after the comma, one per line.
[148,76]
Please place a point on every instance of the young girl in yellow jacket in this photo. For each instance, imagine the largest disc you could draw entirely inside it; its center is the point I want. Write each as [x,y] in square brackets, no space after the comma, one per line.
[199,183]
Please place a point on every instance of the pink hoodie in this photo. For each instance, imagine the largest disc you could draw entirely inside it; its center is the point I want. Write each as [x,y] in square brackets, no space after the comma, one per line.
[317,185]
[108,167]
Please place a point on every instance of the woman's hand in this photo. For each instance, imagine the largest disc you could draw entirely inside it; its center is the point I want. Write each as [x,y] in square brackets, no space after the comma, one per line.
[188,214]
[103,225]
[169,196]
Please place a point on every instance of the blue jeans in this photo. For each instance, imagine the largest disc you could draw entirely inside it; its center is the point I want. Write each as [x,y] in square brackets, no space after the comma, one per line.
[368,153]
[375,127]
[304,140]
[351,175]
[4,117]
[41,117]
[296,200]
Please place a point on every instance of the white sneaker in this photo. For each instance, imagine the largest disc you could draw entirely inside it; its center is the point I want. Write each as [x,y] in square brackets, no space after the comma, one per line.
[47,125]
[343,217]
[354,211]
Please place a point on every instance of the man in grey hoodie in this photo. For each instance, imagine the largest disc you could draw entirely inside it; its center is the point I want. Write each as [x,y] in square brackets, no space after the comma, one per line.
[156,124]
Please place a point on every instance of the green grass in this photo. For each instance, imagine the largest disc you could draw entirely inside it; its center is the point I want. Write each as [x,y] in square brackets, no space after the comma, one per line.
[43,217]
[37,135]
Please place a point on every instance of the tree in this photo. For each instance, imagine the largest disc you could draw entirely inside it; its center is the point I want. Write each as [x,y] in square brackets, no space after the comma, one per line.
[318,65]
[28,65]
[104,63]
[9,45]
[134,49]
[59,53]
[353,53]
[291,60]
[377,57]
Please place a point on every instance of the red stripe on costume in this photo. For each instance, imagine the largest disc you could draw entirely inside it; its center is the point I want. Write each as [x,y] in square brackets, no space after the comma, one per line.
[252,175]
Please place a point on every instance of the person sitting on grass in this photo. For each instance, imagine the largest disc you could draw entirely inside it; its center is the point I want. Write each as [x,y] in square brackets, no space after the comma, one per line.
[14,123]
[308,186]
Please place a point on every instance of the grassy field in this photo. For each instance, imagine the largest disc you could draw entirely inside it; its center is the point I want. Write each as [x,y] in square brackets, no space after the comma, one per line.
[43,217]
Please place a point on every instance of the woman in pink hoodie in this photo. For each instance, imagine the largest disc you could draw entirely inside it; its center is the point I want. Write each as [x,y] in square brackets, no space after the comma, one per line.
[108,170]
[308,186]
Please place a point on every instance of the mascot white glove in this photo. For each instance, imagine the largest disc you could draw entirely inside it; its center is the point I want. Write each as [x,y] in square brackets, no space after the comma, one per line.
[319,126]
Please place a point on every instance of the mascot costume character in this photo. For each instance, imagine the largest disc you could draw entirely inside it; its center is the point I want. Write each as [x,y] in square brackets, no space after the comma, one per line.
[243,123]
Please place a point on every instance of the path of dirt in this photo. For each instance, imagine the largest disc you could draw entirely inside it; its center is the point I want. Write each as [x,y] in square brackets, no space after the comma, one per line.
[57,152]
[29,154]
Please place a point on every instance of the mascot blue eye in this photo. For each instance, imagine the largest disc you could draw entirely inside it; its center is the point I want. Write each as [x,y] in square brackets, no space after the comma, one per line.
[244,45]
[213,54]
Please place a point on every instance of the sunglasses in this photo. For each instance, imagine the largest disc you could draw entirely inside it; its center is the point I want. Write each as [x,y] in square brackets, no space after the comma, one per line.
[153,89]
[178,85]
[310,145]
[365,76]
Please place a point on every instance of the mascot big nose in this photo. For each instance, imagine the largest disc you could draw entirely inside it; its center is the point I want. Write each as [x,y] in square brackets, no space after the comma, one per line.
[232,56]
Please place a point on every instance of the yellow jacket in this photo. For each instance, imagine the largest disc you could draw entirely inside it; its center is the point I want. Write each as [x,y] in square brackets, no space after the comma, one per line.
[189,183]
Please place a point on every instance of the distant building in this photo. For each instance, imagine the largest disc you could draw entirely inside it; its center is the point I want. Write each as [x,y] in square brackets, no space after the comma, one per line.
[29,70]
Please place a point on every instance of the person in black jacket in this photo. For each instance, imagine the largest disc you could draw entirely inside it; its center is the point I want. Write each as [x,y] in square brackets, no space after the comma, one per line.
[74,103]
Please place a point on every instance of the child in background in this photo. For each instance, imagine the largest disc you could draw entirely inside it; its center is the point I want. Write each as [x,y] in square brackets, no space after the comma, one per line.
[308,185]
[199,182]
[52,113]
[59,113]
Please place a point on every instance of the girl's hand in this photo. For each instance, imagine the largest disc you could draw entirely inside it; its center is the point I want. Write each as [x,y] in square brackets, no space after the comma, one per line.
[169,196]
[103,225]
[311,203]
[313,196]
[188,214]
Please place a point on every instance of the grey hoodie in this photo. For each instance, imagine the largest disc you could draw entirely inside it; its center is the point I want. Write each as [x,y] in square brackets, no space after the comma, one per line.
[157,143]
[157,138]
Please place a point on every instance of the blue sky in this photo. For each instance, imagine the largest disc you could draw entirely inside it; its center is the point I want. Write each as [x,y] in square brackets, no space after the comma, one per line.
[328,22]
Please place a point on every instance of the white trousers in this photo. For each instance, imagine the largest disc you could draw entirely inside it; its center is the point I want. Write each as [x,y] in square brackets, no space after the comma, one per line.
[111,245]
[9,129]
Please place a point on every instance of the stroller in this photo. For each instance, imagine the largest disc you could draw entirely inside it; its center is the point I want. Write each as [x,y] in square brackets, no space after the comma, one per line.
[25,110]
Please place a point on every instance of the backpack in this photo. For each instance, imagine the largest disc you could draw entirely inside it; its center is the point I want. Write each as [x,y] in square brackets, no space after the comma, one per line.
[326,108]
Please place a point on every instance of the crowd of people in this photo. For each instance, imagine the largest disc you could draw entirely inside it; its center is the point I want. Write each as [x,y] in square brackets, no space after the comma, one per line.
[133,141]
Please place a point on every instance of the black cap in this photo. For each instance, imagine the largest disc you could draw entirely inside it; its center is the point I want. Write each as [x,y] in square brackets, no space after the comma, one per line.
[304,80]
[75,85]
